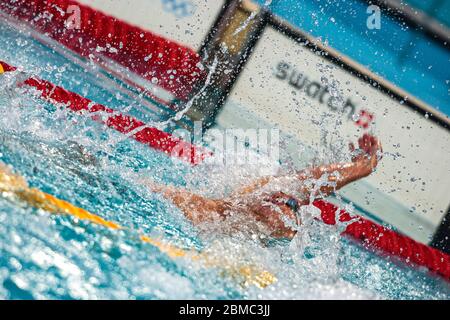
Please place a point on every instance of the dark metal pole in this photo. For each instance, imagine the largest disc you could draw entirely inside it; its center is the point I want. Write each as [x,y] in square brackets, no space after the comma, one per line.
[441,239]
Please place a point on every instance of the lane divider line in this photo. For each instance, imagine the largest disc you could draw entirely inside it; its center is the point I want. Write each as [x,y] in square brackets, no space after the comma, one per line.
[366,232]
[176,67]
[127,125]
[14,186]
[387,242]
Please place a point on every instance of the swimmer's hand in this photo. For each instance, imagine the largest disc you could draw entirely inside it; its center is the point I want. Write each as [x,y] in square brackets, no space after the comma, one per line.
[364,161]
[369,153]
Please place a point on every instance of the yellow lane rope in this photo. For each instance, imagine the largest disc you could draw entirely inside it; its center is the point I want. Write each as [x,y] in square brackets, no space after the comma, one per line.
[15,186]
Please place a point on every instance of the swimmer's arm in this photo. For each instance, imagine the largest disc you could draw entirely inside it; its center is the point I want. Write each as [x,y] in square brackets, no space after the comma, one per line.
[327,179]
[338,175]
[256,185]
[195,207]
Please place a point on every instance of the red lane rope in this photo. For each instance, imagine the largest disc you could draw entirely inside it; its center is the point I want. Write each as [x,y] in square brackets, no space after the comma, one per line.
[153,137]
[175,66]
[364,231]
[389,242]
[368,233]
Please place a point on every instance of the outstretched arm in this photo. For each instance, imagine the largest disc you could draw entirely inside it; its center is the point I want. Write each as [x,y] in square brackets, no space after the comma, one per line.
[334,176]
[200,209]
[340,174]
[195,207]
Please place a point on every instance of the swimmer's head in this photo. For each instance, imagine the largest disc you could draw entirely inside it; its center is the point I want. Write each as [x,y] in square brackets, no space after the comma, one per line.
[278,215]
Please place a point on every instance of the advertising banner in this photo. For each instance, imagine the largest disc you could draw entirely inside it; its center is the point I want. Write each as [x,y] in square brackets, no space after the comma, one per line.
[185,21]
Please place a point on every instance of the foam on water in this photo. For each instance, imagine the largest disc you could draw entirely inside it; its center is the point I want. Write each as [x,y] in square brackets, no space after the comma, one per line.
[74,158]
[44,256]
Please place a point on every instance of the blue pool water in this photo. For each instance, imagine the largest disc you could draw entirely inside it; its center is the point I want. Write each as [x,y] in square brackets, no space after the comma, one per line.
[45,256]
[404,56]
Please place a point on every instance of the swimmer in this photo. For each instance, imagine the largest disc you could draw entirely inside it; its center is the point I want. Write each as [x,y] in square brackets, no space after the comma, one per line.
[270,206]
[260,207]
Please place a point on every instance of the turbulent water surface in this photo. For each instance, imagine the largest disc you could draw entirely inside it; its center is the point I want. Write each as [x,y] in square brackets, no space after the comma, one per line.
[44,255]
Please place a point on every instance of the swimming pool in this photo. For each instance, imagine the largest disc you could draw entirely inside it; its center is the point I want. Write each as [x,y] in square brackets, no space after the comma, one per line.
[60,257]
